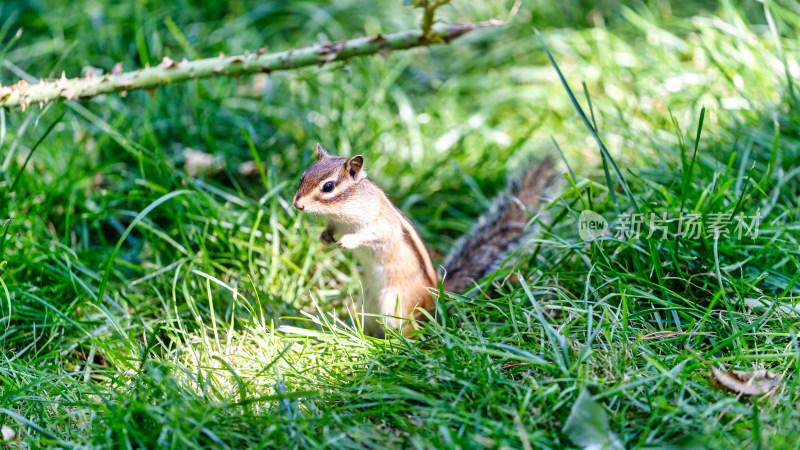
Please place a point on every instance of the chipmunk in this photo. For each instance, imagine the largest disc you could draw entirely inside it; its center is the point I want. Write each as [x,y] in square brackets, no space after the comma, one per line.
[397,268]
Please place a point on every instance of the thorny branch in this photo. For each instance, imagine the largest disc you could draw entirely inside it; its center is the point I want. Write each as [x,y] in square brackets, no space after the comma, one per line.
[169,71]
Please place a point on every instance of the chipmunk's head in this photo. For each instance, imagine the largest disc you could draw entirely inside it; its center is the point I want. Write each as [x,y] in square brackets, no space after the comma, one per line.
[330,186]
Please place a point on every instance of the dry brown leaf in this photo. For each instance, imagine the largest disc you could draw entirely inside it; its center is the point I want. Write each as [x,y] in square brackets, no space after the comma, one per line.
[743,382]
[8,433]
[511,365]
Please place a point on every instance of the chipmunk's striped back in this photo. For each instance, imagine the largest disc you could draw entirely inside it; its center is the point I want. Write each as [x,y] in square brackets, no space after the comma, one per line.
[497,232]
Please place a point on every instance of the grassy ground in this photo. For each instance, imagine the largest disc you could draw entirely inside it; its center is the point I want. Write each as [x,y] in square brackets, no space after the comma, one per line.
[142,306]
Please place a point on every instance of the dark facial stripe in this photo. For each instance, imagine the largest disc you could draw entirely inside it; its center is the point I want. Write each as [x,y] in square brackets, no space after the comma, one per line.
[329,174]
[311,185]
[330,166]
[344,194]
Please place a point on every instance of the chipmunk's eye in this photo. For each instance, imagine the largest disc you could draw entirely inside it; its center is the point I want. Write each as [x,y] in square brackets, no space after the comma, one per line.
[327,187]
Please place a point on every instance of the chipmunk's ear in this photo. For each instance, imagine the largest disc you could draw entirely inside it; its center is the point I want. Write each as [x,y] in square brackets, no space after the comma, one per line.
[354,167]
[321,153]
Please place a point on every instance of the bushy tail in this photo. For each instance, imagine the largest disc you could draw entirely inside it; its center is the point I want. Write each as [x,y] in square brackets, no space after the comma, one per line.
[498,232]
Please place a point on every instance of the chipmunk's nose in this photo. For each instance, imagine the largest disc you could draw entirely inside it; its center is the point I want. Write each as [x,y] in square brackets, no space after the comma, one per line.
[298,205]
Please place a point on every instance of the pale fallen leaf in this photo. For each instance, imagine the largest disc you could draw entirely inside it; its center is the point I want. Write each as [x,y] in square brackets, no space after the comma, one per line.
[743,382]
[762,303]
[8,433]
[196,161]
[587,425]
[248,168]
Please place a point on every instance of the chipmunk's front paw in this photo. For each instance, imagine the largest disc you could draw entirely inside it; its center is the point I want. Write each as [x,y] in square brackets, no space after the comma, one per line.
[327,237]
[348,241]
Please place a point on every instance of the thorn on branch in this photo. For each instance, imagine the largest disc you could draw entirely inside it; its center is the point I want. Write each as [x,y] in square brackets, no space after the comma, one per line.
[430,7]
[167,63]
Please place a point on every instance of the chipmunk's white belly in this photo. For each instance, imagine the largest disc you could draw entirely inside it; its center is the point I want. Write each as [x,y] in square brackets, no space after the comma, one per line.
[378,298]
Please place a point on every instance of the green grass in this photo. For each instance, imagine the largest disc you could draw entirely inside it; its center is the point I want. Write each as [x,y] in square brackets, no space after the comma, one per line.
[143,307]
